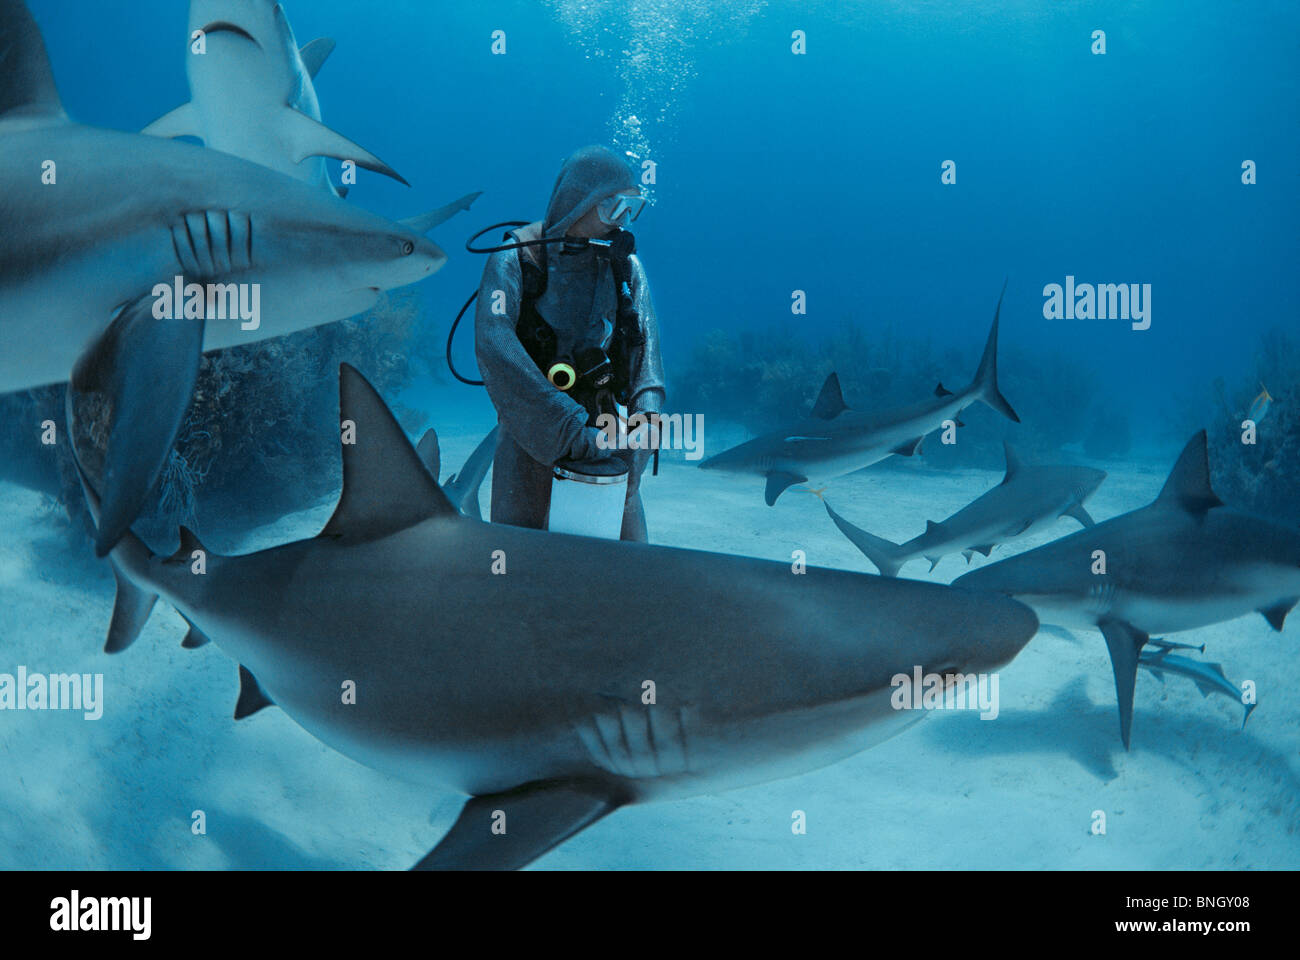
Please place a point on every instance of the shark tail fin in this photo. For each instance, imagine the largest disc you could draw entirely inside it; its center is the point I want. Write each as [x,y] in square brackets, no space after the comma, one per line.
[985,385]
[888,557]
[132,604]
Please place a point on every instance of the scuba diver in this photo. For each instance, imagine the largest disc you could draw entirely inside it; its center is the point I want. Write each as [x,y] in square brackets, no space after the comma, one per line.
[565,332]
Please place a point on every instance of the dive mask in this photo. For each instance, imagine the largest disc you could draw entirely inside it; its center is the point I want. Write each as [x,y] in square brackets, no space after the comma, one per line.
[620,209]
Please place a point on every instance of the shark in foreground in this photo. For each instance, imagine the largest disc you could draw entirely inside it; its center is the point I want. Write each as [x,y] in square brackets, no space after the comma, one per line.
[252,95]
[835,440]
[1182,562]
[83,256]
[485,659]
[1028,499]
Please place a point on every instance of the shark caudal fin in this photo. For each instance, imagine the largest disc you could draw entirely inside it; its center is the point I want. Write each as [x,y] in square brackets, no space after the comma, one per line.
[131,604]
[888,557]
[27,90]
[463,488]
[985,385]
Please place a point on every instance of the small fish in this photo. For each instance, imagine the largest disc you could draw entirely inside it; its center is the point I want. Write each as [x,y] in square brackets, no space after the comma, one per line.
[1208,677]
[1260,406]
[1167,645]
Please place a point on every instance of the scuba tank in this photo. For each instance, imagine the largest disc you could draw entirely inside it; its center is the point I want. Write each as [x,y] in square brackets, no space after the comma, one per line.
[587,497]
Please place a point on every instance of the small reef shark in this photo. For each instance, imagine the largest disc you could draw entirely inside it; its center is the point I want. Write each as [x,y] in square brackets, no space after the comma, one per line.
[1182,562]
[461,488]
[835,440]
[482,658]
[94,221]
[1028,498]
[252,93]
[252,96]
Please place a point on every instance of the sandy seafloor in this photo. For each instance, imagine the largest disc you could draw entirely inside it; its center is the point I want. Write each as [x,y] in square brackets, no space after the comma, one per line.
[953,792]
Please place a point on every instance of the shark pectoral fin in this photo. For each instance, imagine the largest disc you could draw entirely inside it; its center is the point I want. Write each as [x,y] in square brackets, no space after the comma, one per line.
[1076,510]
[778,482]
[934,561]
[181,122]
[315,54]
[830,402]
[252,697]
[146,368]
[942,391]
[509,830]
[430,456]
[306,137]
[427,221]
[908,448]
[386,486]
[1276,614]
[985,549]
[131,609]
[1124,641]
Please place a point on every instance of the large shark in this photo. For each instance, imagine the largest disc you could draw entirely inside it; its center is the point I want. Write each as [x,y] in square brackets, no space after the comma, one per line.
[1182,562]
[95,222]
[834,440]
[252,95]
[487,659]
[1028,499]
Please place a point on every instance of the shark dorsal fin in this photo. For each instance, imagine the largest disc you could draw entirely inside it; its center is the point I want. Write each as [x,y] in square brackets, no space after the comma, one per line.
[26,80]
[252,697]
[189,543]
[830,402]
[1013,462]
[1188,485]
[386,487]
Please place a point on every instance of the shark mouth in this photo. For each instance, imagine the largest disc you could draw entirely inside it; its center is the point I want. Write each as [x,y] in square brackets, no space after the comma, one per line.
[224,26]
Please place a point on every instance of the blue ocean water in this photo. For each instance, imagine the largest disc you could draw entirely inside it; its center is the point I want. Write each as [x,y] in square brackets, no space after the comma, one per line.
[822,172]
[777,172]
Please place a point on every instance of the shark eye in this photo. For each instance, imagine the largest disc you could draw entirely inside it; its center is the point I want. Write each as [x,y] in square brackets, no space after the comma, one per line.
[408,248]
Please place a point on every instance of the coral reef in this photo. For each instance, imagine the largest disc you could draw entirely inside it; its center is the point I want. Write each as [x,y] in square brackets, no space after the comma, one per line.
[1264,476]
[260,438]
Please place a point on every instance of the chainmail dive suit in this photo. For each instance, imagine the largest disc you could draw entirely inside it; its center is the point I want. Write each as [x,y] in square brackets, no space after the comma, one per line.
[541,424]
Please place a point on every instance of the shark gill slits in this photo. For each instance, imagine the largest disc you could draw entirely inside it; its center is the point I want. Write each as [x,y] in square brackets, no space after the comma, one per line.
[218,224]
